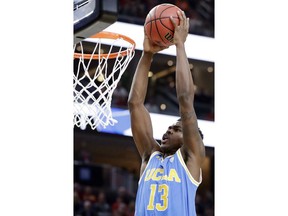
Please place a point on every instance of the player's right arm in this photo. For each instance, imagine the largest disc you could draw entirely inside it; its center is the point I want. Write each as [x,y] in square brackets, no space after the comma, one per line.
[141,124]
[193,149]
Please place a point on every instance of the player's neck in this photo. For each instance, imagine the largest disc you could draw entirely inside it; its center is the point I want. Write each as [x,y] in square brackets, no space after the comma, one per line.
[167,154]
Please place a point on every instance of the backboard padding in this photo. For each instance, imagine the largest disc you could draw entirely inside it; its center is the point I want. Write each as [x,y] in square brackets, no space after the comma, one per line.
[93,16]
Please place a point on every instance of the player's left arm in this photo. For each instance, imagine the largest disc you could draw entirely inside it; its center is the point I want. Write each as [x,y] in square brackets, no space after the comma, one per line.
[193,149]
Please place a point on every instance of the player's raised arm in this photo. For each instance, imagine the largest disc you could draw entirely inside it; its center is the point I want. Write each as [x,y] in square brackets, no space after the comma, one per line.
[193,150]
[140,118]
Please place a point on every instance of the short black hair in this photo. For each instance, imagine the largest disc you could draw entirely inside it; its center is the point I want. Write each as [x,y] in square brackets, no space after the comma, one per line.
[200,132]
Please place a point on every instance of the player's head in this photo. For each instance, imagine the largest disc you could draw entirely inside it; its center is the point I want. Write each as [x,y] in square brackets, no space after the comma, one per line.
[172,139]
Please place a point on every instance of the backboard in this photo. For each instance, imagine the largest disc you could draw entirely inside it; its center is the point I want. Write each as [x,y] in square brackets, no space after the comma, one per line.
[92,16]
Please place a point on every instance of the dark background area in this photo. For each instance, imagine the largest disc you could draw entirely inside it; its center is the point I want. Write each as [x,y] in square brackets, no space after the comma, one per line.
[200,12]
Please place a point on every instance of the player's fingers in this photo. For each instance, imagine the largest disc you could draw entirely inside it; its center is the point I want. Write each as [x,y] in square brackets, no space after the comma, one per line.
[180,16]
[173,21]
[183,15]
[185,20]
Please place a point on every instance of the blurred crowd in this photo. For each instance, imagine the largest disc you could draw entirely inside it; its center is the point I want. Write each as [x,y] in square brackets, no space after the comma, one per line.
[91,201]
[200,12]
[204,104]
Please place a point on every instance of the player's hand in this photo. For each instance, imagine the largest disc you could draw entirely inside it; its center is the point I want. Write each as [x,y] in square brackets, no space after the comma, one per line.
[181,30]
[149,46]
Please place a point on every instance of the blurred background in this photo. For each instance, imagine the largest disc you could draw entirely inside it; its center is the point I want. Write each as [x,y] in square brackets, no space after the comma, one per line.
[106,162]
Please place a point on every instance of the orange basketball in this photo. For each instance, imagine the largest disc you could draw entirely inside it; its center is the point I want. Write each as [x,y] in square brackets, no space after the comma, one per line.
[158,25]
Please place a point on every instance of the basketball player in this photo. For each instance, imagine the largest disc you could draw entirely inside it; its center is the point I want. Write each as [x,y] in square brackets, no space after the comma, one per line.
[170,172]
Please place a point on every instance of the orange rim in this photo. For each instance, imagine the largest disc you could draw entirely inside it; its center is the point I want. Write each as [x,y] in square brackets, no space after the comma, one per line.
[108,35]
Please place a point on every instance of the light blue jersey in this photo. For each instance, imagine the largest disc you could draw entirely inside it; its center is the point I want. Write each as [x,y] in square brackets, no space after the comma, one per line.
[166,188]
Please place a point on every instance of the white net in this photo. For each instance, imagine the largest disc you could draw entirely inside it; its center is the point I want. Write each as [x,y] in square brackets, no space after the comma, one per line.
[96,76]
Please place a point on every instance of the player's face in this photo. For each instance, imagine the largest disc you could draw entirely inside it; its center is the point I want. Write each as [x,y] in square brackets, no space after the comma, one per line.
[172,140]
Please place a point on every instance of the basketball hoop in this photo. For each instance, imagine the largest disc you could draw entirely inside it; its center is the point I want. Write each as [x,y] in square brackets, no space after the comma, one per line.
[99,63]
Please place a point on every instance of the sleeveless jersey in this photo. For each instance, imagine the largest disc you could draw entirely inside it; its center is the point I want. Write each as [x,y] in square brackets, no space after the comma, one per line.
[166,188]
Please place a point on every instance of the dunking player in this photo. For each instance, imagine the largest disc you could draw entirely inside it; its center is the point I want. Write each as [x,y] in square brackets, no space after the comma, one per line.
[171,171]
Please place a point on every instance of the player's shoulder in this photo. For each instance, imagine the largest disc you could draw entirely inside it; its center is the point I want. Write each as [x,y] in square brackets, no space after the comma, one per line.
[150,161]
[153,154]
[156,154]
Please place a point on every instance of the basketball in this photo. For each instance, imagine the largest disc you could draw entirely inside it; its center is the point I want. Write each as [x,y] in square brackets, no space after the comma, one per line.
[158,26]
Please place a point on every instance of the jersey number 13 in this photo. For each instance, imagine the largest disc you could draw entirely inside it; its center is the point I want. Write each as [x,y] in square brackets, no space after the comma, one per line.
[163,190]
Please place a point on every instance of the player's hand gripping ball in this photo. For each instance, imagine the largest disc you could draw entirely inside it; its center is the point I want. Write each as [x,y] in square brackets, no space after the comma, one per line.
[158,26]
